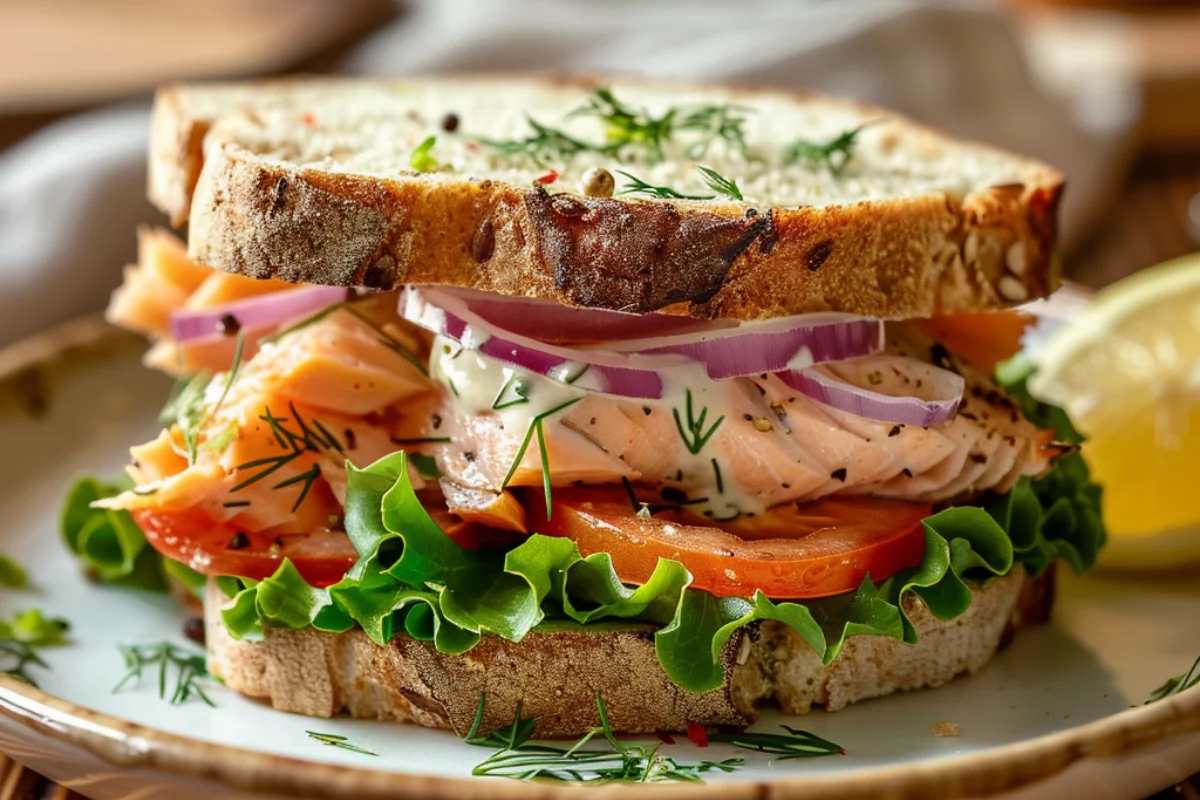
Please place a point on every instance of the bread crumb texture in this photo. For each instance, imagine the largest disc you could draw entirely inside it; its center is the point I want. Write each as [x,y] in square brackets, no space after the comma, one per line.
[557,675]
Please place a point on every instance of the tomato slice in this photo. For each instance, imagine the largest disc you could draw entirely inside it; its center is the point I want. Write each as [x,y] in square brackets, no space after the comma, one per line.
[815,550]
[322,558]
[983,339]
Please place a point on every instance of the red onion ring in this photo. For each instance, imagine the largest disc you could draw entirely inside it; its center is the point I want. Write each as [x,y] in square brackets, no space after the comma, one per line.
[253,312]
[628,375]
[628,368]
[844,386]
[778,345]
[552,322]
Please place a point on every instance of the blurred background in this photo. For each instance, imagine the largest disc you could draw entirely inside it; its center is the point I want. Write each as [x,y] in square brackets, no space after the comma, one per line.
[1110,93]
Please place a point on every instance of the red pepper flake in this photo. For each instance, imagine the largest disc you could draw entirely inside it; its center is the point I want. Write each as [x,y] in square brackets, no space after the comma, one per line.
[308,118]
[547,179]
[698,734]
[666,737]
[472,146]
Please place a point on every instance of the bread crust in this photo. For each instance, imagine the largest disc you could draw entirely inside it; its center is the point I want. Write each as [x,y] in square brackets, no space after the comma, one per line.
[894,258]
[557,675]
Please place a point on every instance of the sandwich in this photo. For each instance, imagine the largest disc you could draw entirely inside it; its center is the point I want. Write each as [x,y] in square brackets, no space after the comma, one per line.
[696,400]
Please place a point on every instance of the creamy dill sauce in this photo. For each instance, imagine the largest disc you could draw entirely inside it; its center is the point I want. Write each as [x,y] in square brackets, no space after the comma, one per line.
[479,383]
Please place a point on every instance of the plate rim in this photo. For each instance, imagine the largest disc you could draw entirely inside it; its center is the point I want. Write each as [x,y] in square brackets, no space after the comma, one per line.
[131,745]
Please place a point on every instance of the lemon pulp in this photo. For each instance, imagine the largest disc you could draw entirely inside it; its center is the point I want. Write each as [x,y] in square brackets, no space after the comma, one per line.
[1128,373]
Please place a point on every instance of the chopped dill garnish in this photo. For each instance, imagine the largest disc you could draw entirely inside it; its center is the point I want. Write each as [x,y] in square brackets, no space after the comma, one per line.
[694,436]
[342,742]
[189,668]
[835,153]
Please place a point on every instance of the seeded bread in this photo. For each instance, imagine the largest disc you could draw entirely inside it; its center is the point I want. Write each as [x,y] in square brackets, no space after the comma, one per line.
[311,181]
[557,674]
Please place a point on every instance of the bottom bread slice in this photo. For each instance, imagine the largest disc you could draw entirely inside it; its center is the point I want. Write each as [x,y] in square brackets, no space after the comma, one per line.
[557,672]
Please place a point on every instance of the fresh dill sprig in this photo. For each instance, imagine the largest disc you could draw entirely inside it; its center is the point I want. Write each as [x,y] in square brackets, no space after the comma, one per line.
[332,740]
[720,481]
[187,408]
[308,477]
[1177,684]
[638,186]
[625,126]
[543,143]
[714,122]
[794,744]
[514,392]
[313,437]
[189,669]
[570,379]
[720,184]
[694,436]
[597,757]
[17,657]
[835,153]
[422,160]
[22,636]
[536,428]
[389,342]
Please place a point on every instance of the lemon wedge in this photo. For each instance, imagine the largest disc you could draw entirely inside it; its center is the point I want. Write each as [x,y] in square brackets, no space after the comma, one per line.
[1128,373]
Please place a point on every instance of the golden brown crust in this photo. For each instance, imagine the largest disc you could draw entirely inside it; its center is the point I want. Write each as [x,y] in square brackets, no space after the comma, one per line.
[557,675]
[894,258]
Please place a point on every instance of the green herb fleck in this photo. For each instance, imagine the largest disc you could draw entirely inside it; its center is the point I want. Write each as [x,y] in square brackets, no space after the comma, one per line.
[536,427]
[720,184]
[332,740]
[514,392]
[544,143]
[189,669]
[717,471]
[835,153]
[694,436]
[597,758]
[638,186]
[1179,683]
[570,379]
[625,126]
[422,159]
[22,636]
[875,378]
[717,122]
[792,745]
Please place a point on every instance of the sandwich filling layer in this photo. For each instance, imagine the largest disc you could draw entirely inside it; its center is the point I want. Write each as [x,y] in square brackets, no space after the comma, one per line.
[344,467]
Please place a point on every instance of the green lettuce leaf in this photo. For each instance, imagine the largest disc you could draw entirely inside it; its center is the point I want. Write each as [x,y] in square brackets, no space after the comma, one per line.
[109,543]
[411,577]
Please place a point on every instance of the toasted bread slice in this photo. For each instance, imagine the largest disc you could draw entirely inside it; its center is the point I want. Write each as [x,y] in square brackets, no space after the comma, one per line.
[312,181]
[556,673]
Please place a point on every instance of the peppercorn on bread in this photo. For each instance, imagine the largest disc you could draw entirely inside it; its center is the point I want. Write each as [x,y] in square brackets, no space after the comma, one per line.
[820,203]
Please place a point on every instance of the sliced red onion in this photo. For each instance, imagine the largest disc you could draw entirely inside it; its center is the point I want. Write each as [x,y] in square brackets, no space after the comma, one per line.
[893,389]
[774,346]
[253,312]
[553,323]
[730,352]
[628,375]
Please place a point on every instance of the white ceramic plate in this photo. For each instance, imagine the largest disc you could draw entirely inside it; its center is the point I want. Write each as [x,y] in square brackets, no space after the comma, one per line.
[1056,714]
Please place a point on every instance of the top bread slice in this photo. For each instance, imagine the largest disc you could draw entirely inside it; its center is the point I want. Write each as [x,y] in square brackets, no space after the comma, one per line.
[310,181]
